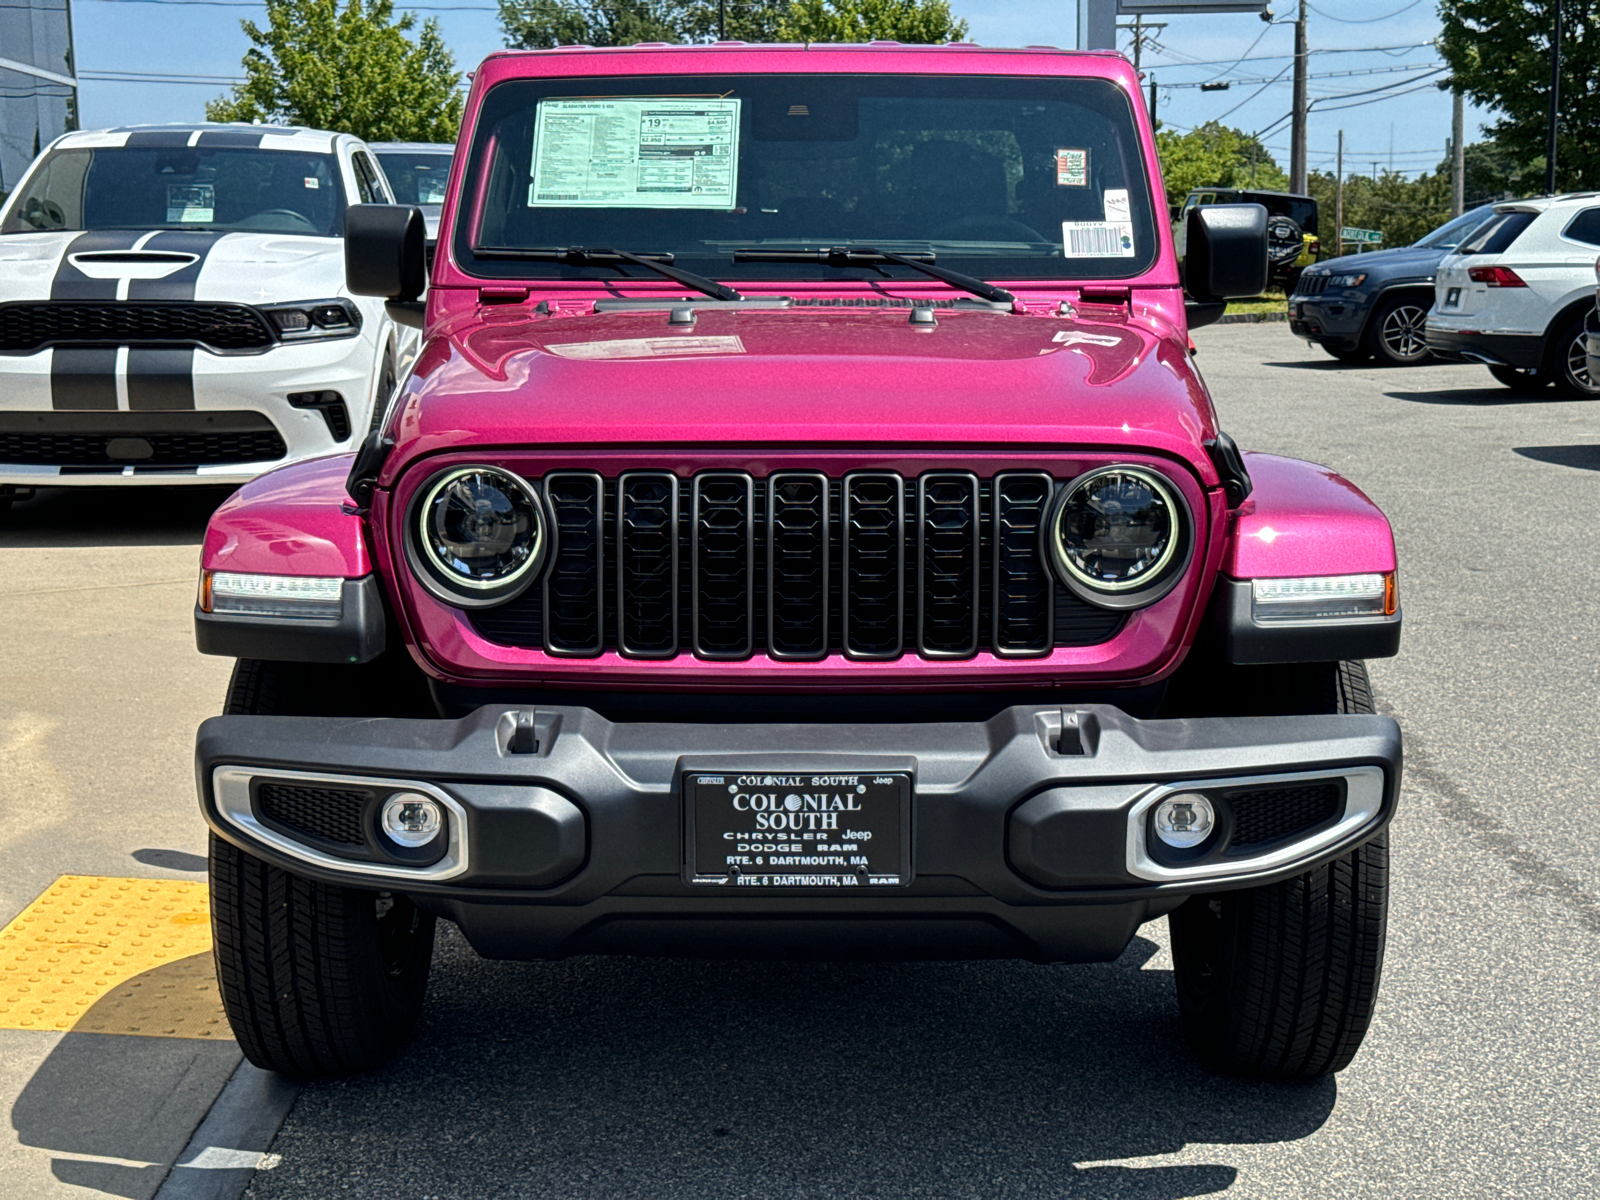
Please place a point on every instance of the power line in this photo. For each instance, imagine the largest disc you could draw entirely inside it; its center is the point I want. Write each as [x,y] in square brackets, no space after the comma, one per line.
[1364,20]
[1187,61]
[1314,75]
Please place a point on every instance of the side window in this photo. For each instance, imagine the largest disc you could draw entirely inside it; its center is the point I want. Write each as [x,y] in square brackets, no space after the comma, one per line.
[1496,236]
[367,185]
[1585,228]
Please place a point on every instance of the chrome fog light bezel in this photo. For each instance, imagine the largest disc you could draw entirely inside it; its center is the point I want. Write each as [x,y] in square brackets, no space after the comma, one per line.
[1134,594]
[451,587]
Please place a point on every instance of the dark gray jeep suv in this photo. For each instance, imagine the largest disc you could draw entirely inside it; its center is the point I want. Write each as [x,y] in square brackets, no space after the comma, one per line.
[1373,305]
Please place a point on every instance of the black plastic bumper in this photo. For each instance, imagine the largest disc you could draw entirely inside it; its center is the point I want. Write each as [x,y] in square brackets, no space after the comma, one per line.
[574,831]
[357,635]
[1522,350]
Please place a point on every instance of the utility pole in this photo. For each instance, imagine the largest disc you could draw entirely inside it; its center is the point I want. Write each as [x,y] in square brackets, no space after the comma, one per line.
[1338,200]
[1141,32]
[1297,141]
[1152,101]
[1374,170]
[1555,99]
[1458,156]
[722,20]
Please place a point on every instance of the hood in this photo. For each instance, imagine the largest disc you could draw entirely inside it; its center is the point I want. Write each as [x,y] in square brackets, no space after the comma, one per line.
[805,376]
[174,264]
[1400,260]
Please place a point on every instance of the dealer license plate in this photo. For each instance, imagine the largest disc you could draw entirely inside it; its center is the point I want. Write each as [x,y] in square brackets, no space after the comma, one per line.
[797,830]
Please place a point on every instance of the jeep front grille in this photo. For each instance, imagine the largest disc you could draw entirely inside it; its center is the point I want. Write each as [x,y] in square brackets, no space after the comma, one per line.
[796,566]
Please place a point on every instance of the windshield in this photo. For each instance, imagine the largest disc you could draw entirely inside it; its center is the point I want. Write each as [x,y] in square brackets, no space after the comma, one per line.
[1451,234]
[242,190]
[1035,178]
[417,176]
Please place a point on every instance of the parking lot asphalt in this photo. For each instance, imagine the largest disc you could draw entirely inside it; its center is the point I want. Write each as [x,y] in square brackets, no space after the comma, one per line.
[630,1077]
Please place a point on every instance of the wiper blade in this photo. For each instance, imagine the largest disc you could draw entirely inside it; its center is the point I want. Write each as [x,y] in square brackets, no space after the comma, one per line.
[661,264]
[865,256]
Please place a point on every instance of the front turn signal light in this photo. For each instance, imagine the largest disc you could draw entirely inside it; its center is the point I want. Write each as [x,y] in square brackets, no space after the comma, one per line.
[1323,598]
[288,597]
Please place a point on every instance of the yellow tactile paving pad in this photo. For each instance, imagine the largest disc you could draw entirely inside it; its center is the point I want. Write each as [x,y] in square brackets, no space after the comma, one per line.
[101,955]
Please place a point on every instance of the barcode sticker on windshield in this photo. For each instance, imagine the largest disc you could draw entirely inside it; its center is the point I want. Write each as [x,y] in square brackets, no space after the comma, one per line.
[1097,239]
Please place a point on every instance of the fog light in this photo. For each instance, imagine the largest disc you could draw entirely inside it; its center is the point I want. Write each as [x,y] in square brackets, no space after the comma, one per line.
[1185,820]
[411,820]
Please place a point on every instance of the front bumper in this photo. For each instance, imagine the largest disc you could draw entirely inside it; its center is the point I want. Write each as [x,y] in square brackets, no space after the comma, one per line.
[1521,350]
[1030,833]
[1328,321]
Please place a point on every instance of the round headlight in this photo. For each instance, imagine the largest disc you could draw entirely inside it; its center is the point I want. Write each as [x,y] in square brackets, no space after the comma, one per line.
[1118,536]
[480,535]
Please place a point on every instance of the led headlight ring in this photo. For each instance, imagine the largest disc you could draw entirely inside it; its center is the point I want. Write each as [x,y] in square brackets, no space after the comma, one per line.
[1092,500]
[477,536]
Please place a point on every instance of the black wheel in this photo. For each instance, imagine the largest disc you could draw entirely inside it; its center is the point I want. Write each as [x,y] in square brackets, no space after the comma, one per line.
[1395,331]
[315,979]
[1281,981]
[1523,382]
[1567,359]
[1349,356]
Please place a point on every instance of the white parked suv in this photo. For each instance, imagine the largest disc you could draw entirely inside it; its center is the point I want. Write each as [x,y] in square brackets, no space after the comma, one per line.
[1518,295]
[173,307]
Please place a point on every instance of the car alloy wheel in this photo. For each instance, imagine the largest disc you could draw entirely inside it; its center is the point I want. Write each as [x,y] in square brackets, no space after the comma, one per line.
[1402,333]
[1578,365]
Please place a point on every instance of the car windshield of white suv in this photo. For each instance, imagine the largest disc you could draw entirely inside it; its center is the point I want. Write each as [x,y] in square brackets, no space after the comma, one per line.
[1008,178]
[417,176]
[237,190]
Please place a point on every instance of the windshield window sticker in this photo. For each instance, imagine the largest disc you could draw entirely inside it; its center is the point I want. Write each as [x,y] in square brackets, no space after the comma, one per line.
[645,153]
[1117,206]
[661,347]
[312,183]
[1096,239]
[1072,168]
[191,202]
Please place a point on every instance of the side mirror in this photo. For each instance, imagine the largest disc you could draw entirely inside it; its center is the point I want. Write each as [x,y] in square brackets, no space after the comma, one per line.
[383,251]
[1225,255]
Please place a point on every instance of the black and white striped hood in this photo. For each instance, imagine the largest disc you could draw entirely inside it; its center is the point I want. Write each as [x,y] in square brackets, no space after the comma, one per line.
[168,265]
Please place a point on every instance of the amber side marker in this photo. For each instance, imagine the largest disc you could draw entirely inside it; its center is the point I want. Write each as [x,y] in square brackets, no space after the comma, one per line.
[103,955]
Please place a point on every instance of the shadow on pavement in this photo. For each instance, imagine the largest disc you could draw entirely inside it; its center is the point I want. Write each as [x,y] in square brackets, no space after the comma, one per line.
[172,860]
[1489,397]
[101,516]
[626,1077]
[1585,458]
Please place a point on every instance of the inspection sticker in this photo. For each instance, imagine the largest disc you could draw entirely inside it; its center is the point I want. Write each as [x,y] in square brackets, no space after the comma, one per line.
[645,153]
[1072,168]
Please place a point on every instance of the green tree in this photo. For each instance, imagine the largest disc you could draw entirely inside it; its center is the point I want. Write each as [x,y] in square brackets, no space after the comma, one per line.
[1215,155]
[921,22]
[1499,55]
[351,69]
[1402,209]
[545,23]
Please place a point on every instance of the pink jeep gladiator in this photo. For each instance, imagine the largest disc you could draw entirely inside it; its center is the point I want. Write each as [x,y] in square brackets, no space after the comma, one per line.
[804,533]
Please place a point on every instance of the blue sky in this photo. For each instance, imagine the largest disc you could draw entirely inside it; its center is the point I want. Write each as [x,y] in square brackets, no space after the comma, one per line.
[204,39]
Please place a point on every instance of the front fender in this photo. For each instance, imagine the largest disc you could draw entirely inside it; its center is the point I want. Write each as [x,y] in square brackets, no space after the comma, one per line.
[297,521]
[1302,520]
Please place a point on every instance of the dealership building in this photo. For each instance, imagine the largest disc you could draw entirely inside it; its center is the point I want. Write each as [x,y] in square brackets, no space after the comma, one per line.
[38,82]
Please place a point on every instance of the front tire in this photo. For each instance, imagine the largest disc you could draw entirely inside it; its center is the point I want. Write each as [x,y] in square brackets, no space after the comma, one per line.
[1280,981]
[316,979]
[1395,331]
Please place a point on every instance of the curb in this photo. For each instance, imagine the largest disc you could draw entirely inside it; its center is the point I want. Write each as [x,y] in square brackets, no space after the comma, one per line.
[1251,318]
[232,1141]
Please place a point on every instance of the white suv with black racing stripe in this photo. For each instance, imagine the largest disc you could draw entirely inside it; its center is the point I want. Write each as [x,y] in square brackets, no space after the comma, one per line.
[173,307]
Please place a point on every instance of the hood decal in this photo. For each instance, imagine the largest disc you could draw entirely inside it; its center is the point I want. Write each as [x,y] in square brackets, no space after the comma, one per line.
[83,379]
[72,284]
[180,284]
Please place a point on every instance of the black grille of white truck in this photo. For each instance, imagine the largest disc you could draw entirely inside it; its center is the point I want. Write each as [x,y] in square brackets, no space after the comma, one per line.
[797,566]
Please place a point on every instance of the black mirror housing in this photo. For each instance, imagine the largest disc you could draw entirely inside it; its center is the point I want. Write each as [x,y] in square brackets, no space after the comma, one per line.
[384,251]
[1226,252]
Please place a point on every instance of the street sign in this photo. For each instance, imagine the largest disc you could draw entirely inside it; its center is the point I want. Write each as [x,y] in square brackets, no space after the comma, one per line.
[1173,8]
[1351,234]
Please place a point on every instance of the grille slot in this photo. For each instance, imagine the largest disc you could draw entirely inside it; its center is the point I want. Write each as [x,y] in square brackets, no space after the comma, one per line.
[329,813]
[948,547]
[166,449]
[25,328]
[796,566]
[874,564]
[647,564]
[1024,589]
[1311,285]
[1272,814]
[574,608]
[724,565]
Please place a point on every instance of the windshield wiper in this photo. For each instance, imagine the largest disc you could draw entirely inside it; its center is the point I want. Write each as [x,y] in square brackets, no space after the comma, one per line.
[661,264]
[865,256]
